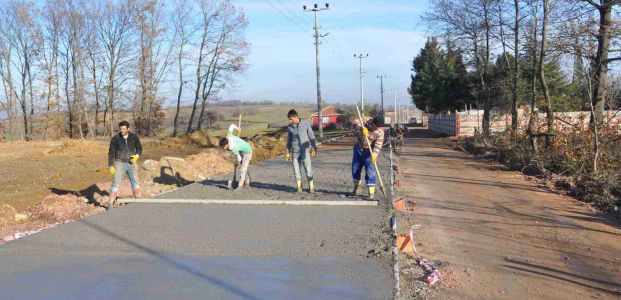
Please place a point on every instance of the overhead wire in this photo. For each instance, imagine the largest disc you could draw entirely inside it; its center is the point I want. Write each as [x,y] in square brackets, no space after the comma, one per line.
[296,19]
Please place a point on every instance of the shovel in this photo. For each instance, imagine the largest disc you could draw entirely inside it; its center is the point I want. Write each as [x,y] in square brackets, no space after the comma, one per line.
[233,183]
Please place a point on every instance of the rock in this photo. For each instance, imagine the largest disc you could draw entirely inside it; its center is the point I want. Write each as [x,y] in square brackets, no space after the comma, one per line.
[21,217]
[151,165]
[177,169]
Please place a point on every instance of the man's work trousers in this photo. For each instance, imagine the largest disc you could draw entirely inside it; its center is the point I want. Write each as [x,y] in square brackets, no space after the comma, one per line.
[122,168]
[246,158]
[303,158]
[362,158]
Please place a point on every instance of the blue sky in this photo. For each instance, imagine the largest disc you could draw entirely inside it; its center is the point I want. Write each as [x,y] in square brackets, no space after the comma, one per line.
[282,58]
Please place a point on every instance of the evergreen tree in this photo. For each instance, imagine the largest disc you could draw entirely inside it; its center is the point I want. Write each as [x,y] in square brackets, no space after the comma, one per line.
[440,82]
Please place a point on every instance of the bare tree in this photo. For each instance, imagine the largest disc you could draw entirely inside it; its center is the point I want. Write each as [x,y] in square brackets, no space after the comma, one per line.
[542,77]
[7,80]
[154,61]
[534,113]
[228,55]
[208,14]
[607,30]
[115,29]
[73,55]
[22,34]
[52,18]
[93,61]
[183,32]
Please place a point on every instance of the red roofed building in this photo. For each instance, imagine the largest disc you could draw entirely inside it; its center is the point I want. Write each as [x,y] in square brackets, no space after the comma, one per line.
[330,115]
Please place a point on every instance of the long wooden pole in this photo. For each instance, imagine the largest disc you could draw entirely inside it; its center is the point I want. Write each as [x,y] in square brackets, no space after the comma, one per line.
[377,172]
[239,126]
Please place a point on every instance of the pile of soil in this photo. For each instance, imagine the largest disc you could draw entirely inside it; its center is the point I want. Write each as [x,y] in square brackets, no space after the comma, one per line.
[202,138]
[77,147]
[53,209]
[60,208]
[266,148]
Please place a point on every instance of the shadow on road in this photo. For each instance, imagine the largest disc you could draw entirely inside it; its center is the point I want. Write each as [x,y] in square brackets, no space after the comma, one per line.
[173,263]
[562,275]
[526,187]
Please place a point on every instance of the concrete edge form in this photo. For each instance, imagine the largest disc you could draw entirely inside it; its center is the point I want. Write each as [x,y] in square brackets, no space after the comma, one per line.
[253,202]
[393,226]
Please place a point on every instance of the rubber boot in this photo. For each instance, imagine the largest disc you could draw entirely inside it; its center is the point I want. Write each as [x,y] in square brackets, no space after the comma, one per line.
[311,187]
[356,188]
[371,192]
[137,193]
[111,200]
[299,183]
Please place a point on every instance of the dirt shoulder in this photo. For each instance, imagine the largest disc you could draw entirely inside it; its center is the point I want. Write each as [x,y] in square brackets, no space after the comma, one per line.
[47,183]
[497,235]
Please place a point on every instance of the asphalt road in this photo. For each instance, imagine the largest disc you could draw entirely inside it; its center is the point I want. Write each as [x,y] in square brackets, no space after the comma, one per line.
[165,251]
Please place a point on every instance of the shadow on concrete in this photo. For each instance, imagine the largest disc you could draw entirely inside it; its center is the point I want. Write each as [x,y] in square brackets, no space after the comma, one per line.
[173,263]
[273,186]
[167,179]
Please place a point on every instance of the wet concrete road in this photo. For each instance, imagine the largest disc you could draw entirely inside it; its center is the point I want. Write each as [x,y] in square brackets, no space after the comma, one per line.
[274,180]
[164,251]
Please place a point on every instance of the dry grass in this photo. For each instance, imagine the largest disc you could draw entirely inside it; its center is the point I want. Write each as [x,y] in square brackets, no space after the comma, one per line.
[567,163]
[77,147]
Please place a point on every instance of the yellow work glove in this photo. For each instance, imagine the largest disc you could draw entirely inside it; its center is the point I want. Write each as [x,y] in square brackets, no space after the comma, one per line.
[314,153]
[111,170]
[365,131]
[374,158]
[287,156]
[134,158]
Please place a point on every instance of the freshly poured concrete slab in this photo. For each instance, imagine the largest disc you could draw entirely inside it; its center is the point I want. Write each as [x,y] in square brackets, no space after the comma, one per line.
[255,202]
[163,251]
[216,251]
[274,180]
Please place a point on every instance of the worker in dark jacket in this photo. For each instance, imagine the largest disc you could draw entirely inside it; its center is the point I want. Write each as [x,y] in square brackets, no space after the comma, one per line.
[301,146]
[123,154]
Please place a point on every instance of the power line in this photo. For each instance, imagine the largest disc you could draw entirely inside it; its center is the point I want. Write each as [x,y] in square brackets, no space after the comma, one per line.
[295,19]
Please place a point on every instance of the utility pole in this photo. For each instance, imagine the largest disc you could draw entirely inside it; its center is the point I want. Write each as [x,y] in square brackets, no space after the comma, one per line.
[381,78]
[316,9]
[407,114]
[360,57]
[396,108]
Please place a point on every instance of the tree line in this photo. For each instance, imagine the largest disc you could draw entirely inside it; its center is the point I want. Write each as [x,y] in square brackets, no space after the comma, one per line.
[548,55]
[67,66]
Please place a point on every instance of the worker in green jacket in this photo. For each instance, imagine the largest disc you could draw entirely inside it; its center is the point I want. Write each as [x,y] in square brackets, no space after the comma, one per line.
[242,151]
